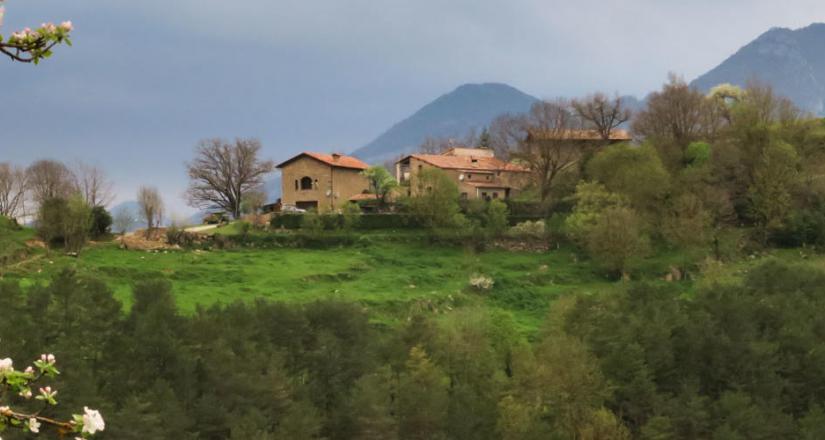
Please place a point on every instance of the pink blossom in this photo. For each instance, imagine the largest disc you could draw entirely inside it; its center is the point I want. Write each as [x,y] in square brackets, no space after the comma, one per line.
[66,26]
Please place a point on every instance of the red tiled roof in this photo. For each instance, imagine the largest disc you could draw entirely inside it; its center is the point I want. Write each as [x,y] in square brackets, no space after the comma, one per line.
[360,197]
[467,163]
[486,185]
[581,135]
[334,160]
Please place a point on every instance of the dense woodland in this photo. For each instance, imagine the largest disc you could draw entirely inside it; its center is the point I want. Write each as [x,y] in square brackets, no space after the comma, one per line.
[733,362]
[717,178]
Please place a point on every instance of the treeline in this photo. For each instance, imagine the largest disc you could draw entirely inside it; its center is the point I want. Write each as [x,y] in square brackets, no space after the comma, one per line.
[734,362]
[734,170]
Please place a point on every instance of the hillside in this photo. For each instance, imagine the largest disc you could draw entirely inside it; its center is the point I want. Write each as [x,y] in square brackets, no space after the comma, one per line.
[470,106]
[791,61]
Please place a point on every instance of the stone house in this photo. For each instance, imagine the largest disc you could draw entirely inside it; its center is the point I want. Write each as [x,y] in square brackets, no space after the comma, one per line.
[323,182]
[476,171]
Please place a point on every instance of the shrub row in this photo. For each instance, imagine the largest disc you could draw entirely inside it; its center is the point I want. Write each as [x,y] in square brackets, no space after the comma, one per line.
[369,222]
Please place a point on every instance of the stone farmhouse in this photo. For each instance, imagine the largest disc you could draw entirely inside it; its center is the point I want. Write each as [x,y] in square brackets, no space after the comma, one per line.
[476,171]
[323,182]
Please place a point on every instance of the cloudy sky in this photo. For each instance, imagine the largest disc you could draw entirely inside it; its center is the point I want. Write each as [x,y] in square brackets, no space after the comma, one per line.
[145,80]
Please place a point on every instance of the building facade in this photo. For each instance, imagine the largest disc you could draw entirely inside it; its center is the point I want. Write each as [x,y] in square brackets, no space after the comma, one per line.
[321,182]
[476,171]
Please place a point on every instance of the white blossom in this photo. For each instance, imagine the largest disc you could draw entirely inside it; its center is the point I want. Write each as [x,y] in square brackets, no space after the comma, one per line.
[92,421]
[6,365]
[34,425]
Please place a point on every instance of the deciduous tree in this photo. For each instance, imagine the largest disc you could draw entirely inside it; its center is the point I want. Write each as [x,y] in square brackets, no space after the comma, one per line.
[151,207]
[13,187]
[223,172]
[601,112]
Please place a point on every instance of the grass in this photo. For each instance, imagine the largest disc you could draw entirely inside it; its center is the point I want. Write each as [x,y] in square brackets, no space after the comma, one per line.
[390,278]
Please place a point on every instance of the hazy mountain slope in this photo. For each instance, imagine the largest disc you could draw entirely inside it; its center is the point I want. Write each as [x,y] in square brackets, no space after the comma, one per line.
[791,61]
[471,106]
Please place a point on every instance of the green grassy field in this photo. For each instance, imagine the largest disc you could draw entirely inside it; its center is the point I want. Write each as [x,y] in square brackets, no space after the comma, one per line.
[391,278]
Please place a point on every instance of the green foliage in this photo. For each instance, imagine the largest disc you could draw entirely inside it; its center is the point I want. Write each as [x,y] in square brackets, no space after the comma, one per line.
[312,223]
[50,220]
[350,216]
[77,222]
[101,222]
[592,200]
[697,154]
[382,183]
[616,237]
[635,172]
[435,200]
[496,217]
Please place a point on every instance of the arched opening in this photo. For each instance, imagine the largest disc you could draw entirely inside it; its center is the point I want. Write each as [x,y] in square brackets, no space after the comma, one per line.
[306,182]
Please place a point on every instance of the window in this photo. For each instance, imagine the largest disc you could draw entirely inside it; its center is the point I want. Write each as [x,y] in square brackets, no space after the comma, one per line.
[306,183]
[296,184]
[488,177]
[463,196]
[495,195]
[469,176]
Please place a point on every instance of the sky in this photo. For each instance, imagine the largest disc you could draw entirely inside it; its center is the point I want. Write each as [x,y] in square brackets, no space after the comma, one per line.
[145,80]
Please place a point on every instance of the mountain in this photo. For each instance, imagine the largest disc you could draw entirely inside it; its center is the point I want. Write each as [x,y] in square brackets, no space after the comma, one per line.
[791,61]
[469,107]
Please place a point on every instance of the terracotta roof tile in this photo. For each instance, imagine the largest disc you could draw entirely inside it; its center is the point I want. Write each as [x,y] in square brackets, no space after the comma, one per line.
[467,163]
[335,160]
[360,197]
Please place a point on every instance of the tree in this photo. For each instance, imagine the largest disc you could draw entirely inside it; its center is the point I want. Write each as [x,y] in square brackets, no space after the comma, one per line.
[603,113]
[223,172]
[422,398]
[382,183]
[496,217]
[552,148]
[49,221]
[435,199]
[13,187]
[77,223]
[506,133]
[676,116]
[633,171]
[616,237]
[123,220]
[151,207]
[93,184]
[31,46]
[49,179]
[101,222]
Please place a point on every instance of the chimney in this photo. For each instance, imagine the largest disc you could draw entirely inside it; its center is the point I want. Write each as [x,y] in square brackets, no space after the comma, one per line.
[336,156]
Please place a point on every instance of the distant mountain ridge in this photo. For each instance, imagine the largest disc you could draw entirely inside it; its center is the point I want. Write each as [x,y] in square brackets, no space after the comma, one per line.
[791,61]
[468,107]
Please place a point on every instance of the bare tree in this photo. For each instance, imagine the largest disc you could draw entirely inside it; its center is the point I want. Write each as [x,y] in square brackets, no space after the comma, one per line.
[553,145]
[602,112]
[151,207]
[436,145]
[13,187]
[94,185]
[676,113]
[507,132]
[123,220]
[223,172]
[49,179]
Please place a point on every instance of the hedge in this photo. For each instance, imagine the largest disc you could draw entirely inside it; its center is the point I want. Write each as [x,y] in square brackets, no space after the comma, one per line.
[335,221]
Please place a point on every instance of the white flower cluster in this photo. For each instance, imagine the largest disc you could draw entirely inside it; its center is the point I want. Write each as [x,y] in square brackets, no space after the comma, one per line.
[45,30]
[89,423]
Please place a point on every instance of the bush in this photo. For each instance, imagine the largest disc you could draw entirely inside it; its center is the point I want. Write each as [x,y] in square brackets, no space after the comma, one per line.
[495,219]
[311,223]
[50,220]
[529,229]
[286,221]
[179,237]
[351,215]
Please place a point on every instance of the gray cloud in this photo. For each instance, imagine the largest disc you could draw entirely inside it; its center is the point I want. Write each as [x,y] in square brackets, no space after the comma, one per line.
[147,79]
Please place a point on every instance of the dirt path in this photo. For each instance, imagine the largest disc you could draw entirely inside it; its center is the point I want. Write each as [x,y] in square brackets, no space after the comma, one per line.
[200,228]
